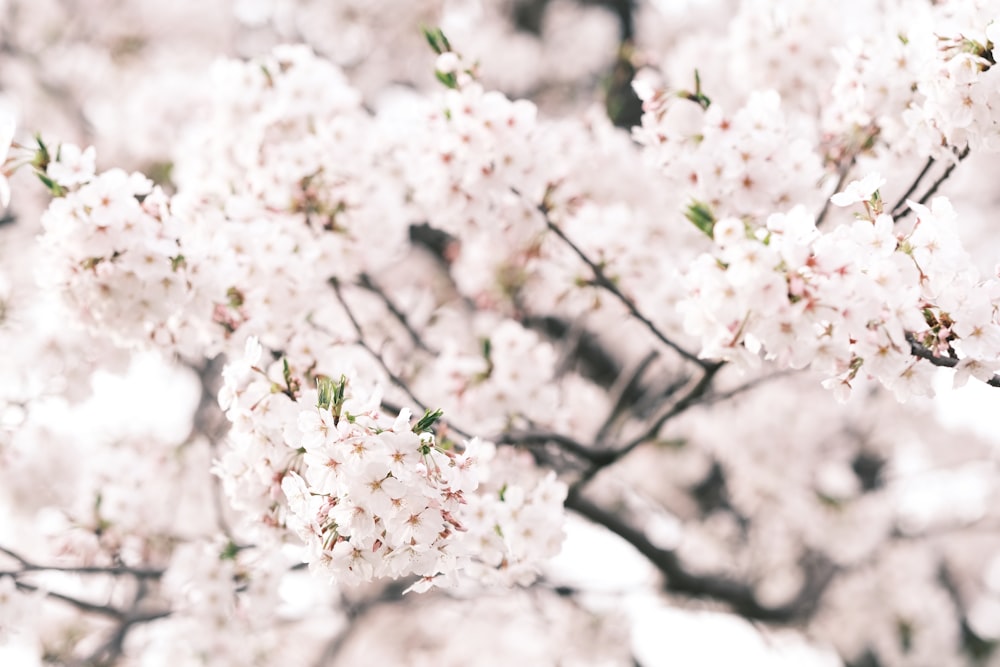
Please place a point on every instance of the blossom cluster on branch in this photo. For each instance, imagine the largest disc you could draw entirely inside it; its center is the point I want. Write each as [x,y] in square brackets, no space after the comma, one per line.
[422,302]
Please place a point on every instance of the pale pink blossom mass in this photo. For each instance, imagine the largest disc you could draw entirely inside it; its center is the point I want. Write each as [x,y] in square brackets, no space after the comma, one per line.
[320,321]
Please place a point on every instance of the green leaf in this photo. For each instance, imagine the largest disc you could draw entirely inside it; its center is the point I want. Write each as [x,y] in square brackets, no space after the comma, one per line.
[54,188]
[332,394]
[229,551]
[701,216]
[448,79]
[698,97]
[42,157]
[267,75]
[326,388]
[436,39]
[425,423]
[235,296]
[339,391]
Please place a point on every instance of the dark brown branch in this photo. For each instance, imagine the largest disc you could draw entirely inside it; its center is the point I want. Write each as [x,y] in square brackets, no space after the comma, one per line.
[81,605]
[93,608]
[114,646]
[900,206]
[28,566]
[937,184]
[711,399]
[978,647]
[625,394]
[918,350]
[594,361]
[736,594]
[695,395]
[595,457]
[598,458]
[841,179]
[944,177]
[210,422]
[361,342]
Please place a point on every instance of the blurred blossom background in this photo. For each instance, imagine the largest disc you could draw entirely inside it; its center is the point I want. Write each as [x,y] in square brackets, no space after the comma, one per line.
[769,524]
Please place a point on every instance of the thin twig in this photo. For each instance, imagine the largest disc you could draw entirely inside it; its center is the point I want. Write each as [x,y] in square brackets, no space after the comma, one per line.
[28,566]
[361,342]
[691,398]
[609,285]
[624,389]
[365,281]
[918,350]
[841,179]
[114,647]
[937,184]
[82,605]
[901,203]
[210,422]
[564,442]
[611,456]
[393,377]
[711,399]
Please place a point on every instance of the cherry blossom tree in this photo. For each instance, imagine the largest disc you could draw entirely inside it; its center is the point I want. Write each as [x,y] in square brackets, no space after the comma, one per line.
[325,323]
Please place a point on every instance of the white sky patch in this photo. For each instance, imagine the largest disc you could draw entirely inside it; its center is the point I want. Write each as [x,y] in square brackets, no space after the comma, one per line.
[663,636]
[592,559]
[152,397]
[975,407]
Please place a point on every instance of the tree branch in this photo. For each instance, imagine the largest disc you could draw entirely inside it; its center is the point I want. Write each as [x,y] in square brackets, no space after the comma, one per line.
[627,389]
[366,282]
[28,566]
[595,362]
[694,396]
[736,594]
[918,350]
[841,179]
[937,184]
[900,205]
[106,611]
[603,281]
[393,377]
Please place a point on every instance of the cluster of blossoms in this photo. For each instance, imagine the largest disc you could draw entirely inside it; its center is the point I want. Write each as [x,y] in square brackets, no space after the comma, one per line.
[750,162]
[114,238]
[199,583]
[859,297]
[300,211]
[378,41]
[178,270]
[477,386]
[473,174]
[112,249]
[297,204]
[784,46]
[928,83]
[374,497]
